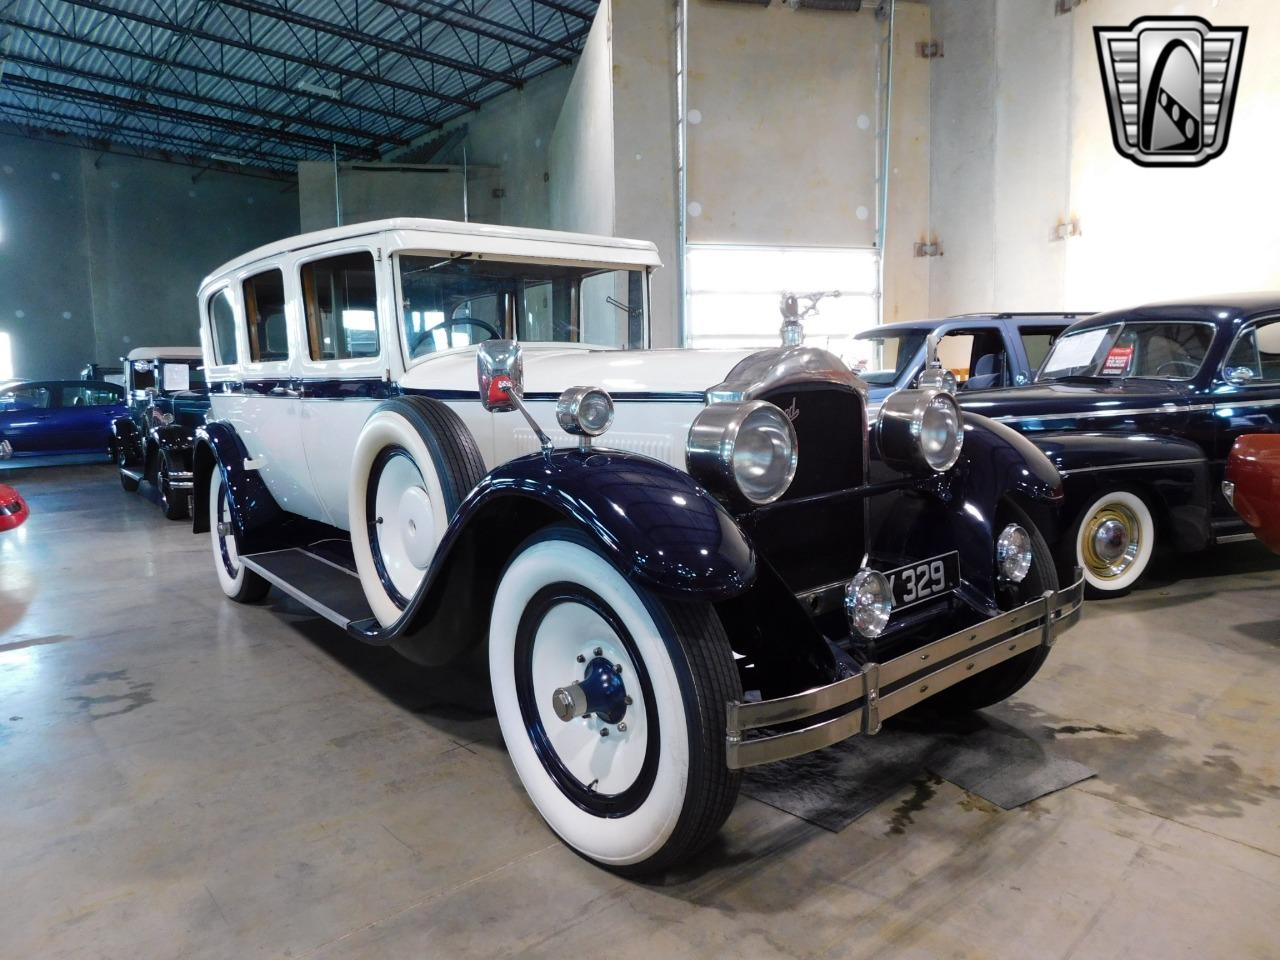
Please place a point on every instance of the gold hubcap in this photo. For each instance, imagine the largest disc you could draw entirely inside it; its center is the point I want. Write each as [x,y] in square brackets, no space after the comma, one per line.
[1110,541]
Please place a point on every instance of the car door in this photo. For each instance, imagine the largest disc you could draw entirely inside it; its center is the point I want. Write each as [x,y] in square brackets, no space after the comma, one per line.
[342,365]
[26,412]
[1247,393]
[80,417]
[263,409]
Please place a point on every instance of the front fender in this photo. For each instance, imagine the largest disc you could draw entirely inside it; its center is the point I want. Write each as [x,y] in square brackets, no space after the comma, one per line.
[1171,472]
[958,510]
[172,436]
[250,504]
[653,522]
[128,440]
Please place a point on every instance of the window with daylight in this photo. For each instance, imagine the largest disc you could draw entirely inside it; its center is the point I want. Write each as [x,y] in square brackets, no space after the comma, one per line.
[734,295]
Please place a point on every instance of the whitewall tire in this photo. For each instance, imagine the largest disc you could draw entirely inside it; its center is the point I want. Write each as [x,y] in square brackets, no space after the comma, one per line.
[1114,538]
[237,582]
[413,464]
[641,782]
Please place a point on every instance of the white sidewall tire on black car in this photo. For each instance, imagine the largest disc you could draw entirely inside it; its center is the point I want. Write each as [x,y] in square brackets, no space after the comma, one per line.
[237,582]
[1130,508]
[413,464]
[663,789]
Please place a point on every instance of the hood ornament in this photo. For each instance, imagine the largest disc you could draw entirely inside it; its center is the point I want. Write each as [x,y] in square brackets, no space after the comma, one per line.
[792,330]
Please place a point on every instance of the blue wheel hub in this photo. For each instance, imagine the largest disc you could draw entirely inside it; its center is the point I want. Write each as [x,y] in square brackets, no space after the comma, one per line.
[601,692]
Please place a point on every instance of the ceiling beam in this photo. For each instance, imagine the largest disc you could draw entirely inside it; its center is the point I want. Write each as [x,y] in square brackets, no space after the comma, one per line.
[301,59]
[374,40]
[186,116]
[436,15]
[208,101]
[561,8]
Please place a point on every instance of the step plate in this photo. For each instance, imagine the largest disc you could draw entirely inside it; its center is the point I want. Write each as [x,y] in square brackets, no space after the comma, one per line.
[307,577]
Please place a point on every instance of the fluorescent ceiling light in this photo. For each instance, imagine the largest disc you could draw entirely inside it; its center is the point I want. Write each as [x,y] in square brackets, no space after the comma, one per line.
[226,159]
[318,90]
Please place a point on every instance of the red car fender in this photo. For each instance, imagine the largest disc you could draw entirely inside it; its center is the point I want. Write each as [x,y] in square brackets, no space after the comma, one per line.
[13,509]
[1254,469]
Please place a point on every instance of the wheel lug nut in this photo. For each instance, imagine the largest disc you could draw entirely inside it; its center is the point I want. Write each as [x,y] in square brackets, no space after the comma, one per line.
[604,731]
[617,668]
[581,658]
[622,727]
[597,651]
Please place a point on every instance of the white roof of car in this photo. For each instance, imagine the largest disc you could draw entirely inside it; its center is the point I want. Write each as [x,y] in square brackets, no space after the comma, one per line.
[164,353]
[455,237]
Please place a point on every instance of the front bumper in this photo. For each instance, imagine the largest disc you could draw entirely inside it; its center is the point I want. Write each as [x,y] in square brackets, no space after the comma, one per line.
[881,690]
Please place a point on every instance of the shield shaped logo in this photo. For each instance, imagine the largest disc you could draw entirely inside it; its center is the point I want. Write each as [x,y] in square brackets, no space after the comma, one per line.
[1171,86]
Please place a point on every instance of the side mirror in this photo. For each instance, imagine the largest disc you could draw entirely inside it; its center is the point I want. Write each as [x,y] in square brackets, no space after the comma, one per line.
[1240,375]
[500,372]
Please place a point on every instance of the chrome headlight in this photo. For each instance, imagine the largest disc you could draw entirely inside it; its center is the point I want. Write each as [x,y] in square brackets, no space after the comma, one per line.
[919,429]
[584,411]
[743,449]
[1013,554]
[868,602]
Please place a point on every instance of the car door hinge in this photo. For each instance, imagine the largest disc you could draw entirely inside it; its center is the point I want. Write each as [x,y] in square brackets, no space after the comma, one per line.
[1066,229]
[932,248]
[929,49]
[378,255]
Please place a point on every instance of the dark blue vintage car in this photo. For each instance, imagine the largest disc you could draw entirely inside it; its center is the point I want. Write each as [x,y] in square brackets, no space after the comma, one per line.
[48,417]
[1138,410]
[167,399]
[989,350]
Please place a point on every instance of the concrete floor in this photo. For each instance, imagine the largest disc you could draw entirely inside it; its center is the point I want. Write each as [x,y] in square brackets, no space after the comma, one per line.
[183,777]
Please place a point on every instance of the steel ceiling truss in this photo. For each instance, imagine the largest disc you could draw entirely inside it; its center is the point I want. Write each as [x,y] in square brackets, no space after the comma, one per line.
[269,82]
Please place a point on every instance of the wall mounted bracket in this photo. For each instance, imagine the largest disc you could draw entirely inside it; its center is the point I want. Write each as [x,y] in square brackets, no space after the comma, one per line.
[929,49]
[931,249]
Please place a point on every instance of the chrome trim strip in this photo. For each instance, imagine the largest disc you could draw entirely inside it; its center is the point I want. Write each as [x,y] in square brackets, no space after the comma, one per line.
[1093,414]
[1242,401]
[1136,464]
[306,600]
[1234,538]
[964,653]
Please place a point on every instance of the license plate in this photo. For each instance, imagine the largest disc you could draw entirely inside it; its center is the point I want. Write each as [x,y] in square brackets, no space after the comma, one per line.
[917,582]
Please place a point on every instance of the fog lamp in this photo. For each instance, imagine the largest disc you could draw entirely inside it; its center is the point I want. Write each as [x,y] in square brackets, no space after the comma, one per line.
[1013,553]
[868,601]
[584,411]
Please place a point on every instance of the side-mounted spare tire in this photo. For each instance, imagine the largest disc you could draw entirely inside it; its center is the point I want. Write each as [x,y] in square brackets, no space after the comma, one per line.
[414,463]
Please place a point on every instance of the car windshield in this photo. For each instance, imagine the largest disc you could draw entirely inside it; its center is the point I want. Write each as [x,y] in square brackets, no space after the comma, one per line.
[1150,349]
[890,355]
[167,375]
[457,301]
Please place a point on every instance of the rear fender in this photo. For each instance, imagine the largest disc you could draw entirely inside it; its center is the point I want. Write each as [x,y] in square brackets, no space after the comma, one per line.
[253,511]
[1172,475]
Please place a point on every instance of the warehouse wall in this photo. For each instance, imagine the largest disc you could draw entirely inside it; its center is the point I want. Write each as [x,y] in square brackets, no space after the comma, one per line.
[581,153]
[1021,143]
[100,253]
[375,191]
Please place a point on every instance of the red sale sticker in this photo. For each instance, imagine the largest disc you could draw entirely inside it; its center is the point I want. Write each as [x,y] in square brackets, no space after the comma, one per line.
[1117,361]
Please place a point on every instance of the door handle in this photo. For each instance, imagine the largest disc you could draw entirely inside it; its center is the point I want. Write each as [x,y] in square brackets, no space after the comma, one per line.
[285,392]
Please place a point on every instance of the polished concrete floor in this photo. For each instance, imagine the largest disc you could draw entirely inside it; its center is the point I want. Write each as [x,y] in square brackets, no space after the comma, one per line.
[184,777]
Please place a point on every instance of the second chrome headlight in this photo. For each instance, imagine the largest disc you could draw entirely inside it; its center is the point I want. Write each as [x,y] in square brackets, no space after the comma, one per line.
[920,429]
[746,450]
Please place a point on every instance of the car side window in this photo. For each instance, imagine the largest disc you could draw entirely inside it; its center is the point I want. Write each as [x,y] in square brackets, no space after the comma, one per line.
[75,397]
[341,300]
[1258,352]
[98,397]
[1037,342]
[222,327]
[264,311]
[26,398]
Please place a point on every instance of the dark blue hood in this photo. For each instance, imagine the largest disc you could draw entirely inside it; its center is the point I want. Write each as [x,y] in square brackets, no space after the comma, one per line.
[1058,401]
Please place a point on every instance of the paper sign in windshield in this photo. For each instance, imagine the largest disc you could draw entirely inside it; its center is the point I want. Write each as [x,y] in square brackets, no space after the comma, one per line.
[177,376]
[1117,361]
[1075,351]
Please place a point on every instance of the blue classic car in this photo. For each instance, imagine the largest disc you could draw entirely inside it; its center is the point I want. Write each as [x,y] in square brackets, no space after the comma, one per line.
[1138,410]
[985,350]
[47,417]
[168,400]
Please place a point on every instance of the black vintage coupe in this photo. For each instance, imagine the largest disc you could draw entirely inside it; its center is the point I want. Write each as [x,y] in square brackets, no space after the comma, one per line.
[1138,410]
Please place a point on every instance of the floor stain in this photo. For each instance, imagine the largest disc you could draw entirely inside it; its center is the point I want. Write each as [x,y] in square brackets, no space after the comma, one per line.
[1074,728]
[973,803]
[135,695]
[923,790]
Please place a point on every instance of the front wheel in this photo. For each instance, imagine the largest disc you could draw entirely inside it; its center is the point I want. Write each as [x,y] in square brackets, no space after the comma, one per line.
[1112,541]
[173,504]
[612,704]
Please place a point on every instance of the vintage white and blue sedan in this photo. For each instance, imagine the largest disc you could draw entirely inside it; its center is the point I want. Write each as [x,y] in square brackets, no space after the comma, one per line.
[442,436]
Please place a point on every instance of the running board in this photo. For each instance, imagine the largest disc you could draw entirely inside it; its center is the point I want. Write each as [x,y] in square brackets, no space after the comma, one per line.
[307,578]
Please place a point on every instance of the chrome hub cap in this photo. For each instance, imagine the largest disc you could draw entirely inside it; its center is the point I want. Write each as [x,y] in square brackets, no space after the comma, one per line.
[1111,541]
